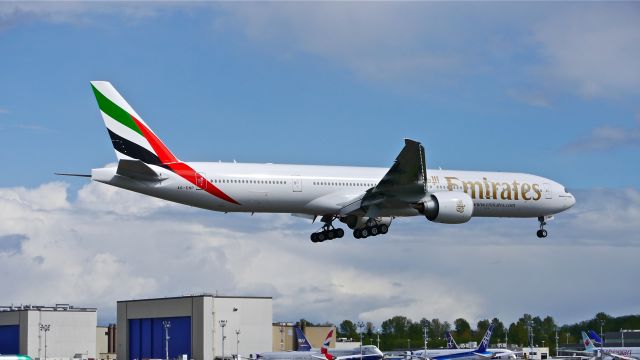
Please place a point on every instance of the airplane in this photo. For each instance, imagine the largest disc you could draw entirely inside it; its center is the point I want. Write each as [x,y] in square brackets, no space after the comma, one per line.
[480,353]
[497,352]
[614,353]
[369,352]
[366,199]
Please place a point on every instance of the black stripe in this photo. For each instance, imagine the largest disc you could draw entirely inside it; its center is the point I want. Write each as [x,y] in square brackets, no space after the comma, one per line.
[133,150]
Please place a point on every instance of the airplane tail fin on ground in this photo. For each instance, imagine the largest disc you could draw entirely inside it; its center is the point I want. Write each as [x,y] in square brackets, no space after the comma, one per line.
[130,135]
[303,343]
[325,346]
[484,344]
[594,336]
[451,343]
[588,344]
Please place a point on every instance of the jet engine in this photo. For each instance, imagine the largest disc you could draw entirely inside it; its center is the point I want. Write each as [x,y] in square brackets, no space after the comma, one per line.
[447,207]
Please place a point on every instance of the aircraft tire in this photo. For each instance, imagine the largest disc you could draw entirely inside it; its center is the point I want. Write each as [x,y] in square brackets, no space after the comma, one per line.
[314,237]
[331,234]
[321,236]
[340,233]
[356,234]
[373,230]
[383,228]
[364,233]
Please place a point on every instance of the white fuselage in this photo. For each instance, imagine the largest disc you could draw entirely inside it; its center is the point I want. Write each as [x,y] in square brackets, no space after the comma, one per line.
[320,190]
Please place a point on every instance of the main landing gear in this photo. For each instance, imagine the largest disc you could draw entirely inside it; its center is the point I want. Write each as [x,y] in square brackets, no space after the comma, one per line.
[372,229]
[328,231]
[542,233]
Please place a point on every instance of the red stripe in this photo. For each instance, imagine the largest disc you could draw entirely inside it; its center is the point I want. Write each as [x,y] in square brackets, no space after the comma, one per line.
[180,168]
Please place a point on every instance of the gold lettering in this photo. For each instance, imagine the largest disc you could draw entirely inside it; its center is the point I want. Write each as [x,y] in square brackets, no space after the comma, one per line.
[486,188]
[515,190]
[506,191]
[524,190]
[472,185]
[450,183]
[536,189]
[494,187]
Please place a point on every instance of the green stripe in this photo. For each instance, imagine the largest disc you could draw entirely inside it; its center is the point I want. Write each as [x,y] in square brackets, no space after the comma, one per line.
[114,111]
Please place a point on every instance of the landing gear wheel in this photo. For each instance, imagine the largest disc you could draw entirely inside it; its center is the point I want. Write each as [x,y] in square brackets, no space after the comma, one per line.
[321,236]
[314,237]
[331,234]
[340,233]
[364,233]
[383,228]
[373,230]
[356,234]
[542,233]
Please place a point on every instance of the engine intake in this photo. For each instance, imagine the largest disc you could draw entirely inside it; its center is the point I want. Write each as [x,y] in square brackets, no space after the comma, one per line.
[447,207]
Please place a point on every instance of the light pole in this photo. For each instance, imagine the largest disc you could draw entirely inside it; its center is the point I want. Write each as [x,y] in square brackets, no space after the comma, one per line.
[409,344]
[567,338]
[45,328]
[426,338]
[223,323]
[167,325]
[281,337]
[238,344]
[361,326]
[378,333]
[506,337]
[556,341]
[601,334]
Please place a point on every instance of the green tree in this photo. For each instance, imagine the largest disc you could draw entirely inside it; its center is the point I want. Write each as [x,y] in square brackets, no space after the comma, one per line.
[463,330]
[348,329]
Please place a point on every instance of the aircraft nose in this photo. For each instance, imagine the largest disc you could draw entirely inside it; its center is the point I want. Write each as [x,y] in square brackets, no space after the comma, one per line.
[570,200]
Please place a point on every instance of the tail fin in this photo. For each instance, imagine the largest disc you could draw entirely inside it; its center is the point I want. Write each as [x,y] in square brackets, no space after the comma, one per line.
[484,344]
[130,135]
[325,346]
[594,336]
[588,344]
[451,343]
[303,343]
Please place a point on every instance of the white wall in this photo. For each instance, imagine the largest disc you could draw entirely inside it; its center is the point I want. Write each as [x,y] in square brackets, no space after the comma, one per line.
[72,332]
[253,319]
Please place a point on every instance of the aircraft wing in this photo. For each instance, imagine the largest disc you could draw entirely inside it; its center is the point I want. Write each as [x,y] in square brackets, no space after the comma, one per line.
[405,183]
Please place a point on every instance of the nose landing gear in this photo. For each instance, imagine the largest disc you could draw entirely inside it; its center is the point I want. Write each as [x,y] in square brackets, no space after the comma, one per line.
[542,233]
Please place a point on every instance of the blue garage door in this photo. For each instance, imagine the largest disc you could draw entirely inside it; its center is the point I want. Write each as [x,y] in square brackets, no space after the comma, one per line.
[146,338]
[9,339]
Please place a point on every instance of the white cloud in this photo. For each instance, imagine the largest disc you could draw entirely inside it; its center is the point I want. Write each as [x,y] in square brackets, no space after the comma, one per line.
[110,244]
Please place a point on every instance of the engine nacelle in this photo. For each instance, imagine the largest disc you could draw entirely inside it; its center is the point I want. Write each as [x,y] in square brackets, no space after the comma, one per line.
[447,207]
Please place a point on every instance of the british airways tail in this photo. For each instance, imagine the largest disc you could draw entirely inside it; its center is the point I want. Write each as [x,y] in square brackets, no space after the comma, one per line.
[484,344]
[303,343]
[451,343]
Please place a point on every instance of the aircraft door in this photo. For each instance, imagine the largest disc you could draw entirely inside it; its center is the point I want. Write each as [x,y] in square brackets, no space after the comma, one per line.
[201,181]
[546,188]
[296,182]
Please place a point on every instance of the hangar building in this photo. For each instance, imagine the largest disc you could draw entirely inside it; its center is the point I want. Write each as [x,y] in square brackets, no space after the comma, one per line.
[194,327]
[71,331]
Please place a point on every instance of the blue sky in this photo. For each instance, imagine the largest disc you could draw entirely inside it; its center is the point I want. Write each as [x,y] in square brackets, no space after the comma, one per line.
[550,89]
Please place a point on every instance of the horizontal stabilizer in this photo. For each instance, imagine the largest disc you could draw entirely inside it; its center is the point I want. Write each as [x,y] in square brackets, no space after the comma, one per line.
[138,170]
[68,174]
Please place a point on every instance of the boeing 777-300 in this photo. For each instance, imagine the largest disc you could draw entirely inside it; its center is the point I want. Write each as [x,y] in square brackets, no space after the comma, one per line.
[366,199]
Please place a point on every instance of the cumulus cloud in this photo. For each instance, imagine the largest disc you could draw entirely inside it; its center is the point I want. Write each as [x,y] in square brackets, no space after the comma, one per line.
[110,244]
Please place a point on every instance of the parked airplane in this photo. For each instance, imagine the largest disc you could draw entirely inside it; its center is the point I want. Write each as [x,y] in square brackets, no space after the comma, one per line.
[614,353]
[498,353]
[480,353]
[365,199]
[369,352]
